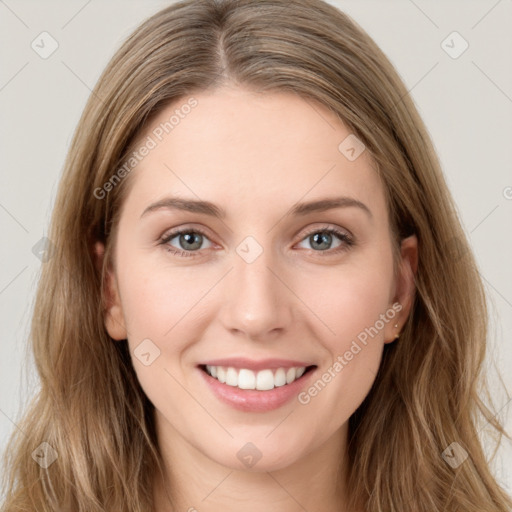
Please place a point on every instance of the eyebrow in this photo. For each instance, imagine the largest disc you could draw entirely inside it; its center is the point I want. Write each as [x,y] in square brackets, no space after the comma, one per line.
[211,209]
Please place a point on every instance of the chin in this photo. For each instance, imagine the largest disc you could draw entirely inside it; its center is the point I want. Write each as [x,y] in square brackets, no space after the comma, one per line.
[258,454]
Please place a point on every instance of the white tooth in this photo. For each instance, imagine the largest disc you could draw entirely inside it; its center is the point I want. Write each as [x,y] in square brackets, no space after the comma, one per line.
[246,379]
[221,374]
[290,375]
[280,377]
[300,371]
[264,380]
[231,377]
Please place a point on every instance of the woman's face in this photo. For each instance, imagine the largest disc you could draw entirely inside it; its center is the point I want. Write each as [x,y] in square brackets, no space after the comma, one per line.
[255,283]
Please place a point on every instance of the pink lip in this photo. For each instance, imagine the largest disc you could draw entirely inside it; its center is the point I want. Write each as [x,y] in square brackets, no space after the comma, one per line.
[263,364]
[252,400]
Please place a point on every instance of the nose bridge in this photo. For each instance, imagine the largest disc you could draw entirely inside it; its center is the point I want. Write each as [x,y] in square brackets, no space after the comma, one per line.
[257,302]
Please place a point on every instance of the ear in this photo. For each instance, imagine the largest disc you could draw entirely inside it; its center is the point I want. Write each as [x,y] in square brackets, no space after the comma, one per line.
[405,288]
[114,318]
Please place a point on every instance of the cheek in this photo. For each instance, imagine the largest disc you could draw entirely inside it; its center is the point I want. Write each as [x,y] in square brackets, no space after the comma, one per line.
[354,306]
[348,299]
[157,298]
[340,388]
[158,306]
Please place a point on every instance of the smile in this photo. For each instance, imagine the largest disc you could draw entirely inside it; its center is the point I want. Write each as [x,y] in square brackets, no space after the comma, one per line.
[255,390]
[262,380]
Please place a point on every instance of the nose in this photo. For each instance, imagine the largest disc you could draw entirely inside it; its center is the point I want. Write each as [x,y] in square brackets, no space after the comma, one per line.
[258,302]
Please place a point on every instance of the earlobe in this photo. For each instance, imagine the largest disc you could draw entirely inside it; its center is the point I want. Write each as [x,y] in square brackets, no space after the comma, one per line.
[405,286]
[113,312]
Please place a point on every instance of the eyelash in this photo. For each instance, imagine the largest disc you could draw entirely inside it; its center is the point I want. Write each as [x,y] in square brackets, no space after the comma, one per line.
[347,241]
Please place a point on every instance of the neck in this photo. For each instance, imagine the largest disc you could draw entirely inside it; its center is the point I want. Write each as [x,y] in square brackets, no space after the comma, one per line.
[196,483]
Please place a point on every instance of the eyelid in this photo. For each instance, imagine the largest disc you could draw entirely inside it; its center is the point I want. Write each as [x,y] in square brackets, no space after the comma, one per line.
[327,226]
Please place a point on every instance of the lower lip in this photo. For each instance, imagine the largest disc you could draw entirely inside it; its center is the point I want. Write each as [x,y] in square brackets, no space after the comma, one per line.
[252,400]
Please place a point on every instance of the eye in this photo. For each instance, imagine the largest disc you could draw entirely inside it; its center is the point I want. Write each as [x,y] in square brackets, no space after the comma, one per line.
[190,241]
[319,238]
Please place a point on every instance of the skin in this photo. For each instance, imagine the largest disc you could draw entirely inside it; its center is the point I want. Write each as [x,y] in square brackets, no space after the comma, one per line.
[255,156]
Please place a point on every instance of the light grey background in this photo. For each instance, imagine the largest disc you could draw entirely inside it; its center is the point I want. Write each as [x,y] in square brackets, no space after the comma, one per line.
[466,103]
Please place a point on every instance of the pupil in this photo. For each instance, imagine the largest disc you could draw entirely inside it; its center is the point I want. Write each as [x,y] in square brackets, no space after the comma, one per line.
[189,238]
[324,237]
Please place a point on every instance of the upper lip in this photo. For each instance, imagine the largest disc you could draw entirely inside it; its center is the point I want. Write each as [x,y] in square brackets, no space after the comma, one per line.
[252,364]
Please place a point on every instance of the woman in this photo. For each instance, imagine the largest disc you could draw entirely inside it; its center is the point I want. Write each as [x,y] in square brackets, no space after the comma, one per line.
[193,353]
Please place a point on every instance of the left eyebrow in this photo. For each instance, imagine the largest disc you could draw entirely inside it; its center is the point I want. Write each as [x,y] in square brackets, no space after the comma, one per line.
[323,205]
[211,209]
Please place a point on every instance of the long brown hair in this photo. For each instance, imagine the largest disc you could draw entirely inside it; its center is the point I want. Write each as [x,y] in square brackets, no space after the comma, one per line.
[91,411]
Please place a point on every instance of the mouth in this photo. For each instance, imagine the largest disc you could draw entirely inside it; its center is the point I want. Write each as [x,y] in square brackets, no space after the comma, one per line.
[265,379]
[255,385]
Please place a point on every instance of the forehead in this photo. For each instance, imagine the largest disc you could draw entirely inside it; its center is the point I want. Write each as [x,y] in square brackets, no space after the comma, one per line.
[246,149]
